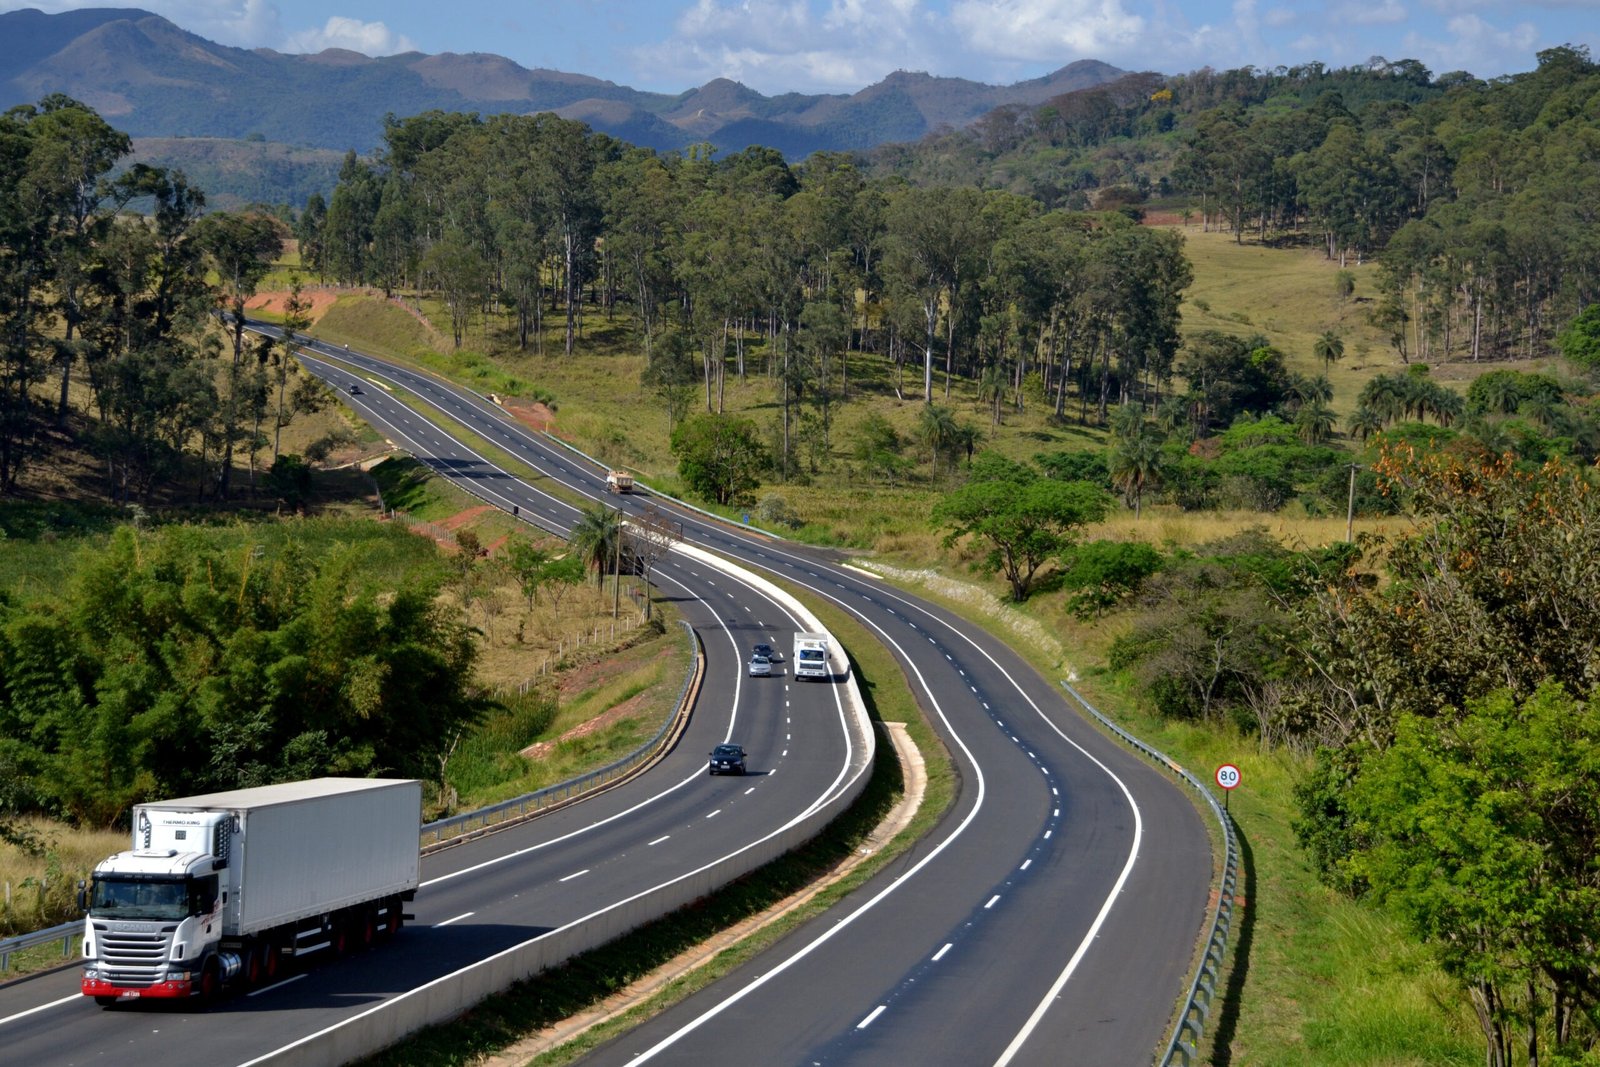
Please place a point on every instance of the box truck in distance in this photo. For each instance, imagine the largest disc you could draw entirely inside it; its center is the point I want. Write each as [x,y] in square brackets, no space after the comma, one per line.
[811,657]
[217,889]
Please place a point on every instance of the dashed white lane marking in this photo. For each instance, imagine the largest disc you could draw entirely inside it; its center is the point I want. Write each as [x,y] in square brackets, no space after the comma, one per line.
[714,814]
[864,1023]
[658,840]
[937,956]
[458,918]
[269,988]
[577,874]
[992,902]
[1025,865]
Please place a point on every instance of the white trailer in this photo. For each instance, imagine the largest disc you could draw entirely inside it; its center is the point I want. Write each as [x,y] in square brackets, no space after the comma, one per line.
[218,888]
[811,657]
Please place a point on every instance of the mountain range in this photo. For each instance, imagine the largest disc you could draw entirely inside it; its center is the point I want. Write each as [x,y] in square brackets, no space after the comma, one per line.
[153,79]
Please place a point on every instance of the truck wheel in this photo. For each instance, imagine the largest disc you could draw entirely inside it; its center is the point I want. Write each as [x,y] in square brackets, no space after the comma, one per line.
[250,964]
[368,928]
[395,917]
[209,982]
[270,957]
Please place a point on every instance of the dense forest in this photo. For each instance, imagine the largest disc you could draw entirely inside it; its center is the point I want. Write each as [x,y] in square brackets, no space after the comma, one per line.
[1476,196]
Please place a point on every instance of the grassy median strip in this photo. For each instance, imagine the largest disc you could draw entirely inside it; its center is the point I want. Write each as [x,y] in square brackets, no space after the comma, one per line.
[500,1022]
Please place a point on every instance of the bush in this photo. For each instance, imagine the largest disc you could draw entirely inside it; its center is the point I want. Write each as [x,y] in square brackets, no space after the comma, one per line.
[1103,573]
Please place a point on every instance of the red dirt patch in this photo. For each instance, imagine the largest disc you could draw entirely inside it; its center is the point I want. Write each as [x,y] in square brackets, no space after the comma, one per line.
[319,299]
[532,414]
[461,518]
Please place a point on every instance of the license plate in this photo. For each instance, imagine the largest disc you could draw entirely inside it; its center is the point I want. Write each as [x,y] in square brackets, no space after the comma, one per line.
[128,994]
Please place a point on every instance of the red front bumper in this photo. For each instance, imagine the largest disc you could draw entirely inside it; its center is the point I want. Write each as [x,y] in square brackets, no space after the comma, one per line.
[99,987]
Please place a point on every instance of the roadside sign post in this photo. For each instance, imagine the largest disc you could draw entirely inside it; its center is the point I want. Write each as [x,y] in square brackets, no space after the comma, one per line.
[1228,778]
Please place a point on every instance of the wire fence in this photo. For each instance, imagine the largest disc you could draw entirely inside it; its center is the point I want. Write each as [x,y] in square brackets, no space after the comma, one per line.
[1184,1045]
[476,822]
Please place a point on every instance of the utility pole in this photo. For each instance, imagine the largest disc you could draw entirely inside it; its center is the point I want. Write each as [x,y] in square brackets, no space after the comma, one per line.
[616,574]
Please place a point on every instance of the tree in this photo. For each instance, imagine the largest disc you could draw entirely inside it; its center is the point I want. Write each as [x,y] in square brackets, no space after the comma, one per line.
[650,537]
[1328,347]
[1482,833]
[526,562]
[240,249]
[1025,524]
[595,539]
[1103,573]
[936,426]
[719,456]
[1136,457]
[561,575]
[1580,341]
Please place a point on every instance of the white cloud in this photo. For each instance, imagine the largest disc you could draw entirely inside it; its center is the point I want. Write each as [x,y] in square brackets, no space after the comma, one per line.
[776,46]
[1053,31]
[1382,13]
[368,38]
[1472,44]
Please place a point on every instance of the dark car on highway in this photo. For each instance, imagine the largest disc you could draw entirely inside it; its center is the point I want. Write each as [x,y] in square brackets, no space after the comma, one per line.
[767,651]
[727,759]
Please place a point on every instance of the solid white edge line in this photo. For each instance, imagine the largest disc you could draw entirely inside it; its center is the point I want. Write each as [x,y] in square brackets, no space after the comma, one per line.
[41,1007]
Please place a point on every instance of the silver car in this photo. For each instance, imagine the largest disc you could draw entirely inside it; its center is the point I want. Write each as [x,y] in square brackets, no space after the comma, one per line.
[760,667]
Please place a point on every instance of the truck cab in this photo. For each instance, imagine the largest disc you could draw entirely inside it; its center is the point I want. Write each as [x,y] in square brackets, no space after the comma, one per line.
[155,912]
[811,657]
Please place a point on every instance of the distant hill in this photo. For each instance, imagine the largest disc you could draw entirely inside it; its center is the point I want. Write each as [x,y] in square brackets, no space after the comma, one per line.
[153,79]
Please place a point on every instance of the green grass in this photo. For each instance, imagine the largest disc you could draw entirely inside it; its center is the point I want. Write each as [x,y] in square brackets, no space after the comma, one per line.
[488,766]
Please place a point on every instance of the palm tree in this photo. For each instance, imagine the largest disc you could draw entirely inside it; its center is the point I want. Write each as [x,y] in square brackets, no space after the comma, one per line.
[1381,397]
[992,390]
[1314,423]
[1329,348]
[594,539]
[1445,405]
[1135,463]
[937,429]
[1309,389]
[1363,423]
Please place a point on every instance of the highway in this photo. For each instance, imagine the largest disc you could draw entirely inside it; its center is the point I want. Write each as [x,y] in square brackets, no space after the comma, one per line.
[1051,917]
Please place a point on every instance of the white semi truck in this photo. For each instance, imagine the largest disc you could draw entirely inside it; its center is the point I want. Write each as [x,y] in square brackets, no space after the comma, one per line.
[220,888]
[811,657]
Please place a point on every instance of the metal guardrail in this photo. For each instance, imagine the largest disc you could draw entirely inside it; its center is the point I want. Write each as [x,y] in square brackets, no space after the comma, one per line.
[474,822]
[66,933]
[465,824]
[1184,1044]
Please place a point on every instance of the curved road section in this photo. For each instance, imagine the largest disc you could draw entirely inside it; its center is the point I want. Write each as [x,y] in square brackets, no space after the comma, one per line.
[1051,918]
[498,907]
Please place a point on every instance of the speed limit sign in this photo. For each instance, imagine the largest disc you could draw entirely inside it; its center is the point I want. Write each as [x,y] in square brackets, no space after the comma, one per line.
[1228,776]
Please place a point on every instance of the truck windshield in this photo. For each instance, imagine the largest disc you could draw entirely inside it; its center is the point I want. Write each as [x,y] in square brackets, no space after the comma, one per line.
[810,653]
[140,899]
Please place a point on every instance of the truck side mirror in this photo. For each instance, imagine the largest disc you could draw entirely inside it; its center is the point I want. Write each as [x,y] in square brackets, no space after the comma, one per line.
[83,897]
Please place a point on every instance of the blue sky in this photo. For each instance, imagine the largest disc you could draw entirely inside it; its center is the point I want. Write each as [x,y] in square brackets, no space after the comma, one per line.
[843,45]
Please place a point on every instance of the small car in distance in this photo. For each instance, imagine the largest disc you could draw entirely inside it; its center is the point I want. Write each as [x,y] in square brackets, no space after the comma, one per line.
[766,650]
[727,759]
[760,667]
[355,390]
